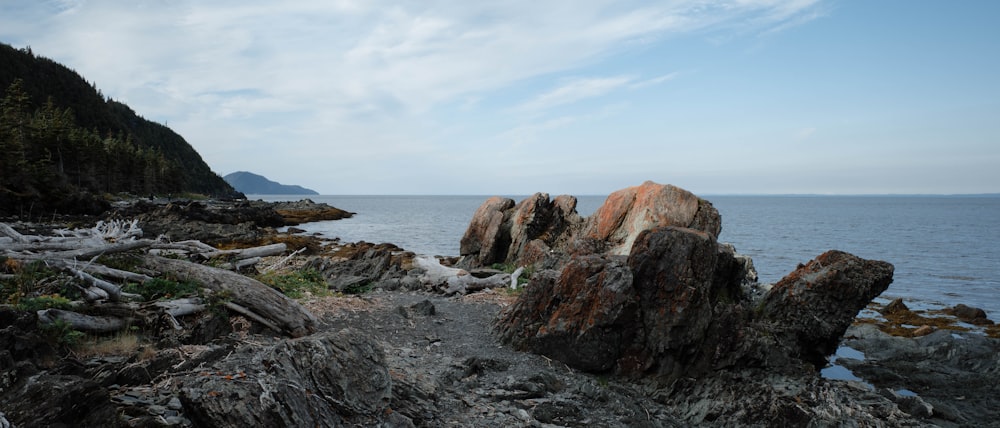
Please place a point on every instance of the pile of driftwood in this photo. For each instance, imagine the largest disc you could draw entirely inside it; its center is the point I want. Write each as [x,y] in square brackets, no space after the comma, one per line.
[106,308]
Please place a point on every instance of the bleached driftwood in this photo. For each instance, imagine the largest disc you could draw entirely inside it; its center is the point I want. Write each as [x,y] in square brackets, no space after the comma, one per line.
[6,230]
[182,307]
[81,322]
[456,281]
[282,262]
[77,252]
[287,315]
[247,253]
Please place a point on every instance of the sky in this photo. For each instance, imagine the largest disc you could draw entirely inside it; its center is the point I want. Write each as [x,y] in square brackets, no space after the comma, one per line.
[578,97]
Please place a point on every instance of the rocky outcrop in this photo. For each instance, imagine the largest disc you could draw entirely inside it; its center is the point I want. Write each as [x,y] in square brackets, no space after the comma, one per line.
[362,265]
[814,305]
[675,307]
[947,376]
[328,379]
[305,211]
[628,212]
[525,233]
[542,232]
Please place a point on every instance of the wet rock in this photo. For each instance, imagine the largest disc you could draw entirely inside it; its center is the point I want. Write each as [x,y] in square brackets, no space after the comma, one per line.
[956,374]
[909,403]
[969,314]
[895,307]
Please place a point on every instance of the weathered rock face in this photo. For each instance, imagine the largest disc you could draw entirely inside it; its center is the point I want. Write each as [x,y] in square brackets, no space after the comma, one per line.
[359,265]
[486,241]
[628,212]
[525,233]
[675,307]
[816,303]
[328,379]
[652,310]
[584,315]
[542,232]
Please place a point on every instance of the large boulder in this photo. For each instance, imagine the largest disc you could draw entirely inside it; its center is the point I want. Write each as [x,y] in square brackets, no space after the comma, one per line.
[543,233]
[525,233]
[628,212]
[815,304]
[676,307]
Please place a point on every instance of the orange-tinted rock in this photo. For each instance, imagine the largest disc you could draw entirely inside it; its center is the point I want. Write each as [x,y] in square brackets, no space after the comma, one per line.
[628,212]
[484,240]
[653,310]
[500,232]
[675,308]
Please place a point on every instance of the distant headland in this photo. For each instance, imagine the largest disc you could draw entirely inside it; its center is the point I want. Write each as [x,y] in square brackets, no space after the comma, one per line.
[253,184]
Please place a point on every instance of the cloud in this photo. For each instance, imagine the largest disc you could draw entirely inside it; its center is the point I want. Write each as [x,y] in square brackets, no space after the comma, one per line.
[654,81]
[348,77]
[575,90]
[805,133]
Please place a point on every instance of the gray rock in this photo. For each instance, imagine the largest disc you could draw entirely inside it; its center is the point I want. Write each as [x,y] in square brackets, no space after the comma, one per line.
[327,379]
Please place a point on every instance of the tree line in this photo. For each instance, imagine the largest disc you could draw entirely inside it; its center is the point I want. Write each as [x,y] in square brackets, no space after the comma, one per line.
[63,145]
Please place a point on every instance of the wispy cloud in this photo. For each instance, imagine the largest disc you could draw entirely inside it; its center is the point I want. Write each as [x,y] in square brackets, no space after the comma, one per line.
[576,90]
[307,74]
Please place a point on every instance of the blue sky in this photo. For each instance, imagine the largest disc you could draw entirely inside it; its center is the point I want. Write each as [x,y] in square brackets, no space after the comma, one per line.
[580,97]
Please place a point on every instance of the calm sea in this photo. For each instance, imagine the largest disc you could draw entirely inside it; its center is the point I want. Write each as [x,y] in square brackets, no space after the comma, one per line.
[946,249]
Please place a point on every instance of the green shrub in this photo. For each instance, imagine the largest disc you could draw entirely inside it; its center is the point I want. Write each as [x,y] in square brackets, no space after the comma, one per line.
[360,288]
[296,284]
[24,279]
[62,333]
[159,288]
[45,301]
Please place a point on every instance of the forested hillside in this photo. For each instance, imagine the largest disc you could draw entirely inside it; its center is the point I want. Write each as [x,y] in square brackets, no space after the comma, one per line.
[63,145]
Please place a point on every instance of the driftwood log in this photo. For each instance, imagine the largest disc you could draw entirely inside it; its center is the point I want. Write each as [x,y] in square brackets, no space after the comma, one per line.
[110,309]
[260,300]
[460,281]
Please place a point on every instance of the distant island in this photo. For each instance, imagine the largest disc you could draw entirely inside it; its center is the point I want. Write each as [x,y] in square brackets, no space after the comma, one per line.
[253,184]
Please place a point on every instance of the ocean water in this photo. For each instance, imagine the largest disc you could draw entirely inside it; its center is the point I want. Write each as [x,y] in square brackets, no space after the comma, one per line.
[946,249]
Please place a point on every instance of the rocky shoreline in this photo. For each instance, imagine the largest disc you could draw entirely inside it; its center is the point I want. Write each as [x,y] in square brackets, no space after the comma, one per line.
[632,317]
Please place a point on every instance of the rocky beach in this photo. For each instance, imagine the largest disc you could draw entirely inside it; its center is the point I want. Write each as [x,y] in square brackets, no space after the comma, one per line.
[633,316]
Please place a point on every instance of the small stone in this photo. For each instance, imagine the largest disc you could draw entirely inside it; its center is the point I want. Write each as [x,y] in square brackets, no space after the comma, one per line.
[523,415]
[175,404]
[923,331]
[896,306]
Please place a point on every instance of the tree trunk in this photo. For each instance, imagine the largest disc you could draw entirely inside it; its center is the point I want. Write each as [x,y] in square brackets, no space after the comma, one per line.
[288,315]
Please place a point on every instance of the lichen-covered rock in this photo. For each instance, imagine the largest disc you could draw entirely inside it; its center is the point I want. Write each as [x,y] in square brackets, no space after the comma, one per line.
[523,233]
[630,211]
[583,316]
[543,233]
[665,310]
[677,308]
[815,304]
